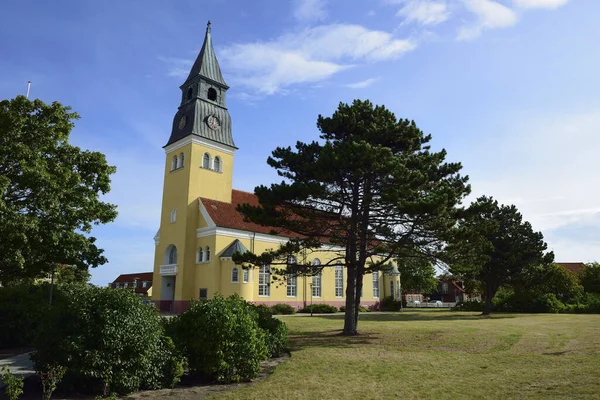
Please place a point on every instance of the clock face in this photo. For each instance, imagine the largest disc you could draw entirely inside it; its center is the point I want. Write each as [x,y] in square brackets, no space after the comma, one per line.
[182,122]
[213,122]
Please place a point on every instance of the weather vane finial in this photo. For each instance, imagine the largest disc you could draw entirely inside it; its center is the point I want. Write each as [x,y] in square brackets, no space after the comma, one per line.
[208,26]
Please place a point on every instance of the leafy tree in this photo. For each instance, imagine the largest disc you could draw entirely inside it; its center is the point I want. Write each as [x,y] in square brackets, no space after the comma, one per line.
[371,190]
[495,246]
[552,279]
[68,274]
[590,277]
[49,192]
[418,275]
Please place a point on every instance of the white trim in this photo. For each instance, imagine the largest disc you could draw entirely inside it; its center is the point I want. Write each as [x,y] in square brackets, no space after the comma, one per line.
[168,270]
[239,234]
[201,141]
[157,237]
[206,216]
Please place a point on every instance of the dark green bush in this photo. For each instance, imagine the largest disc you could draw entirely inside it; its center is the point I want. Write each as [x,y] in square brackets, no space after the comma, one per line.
[586,303]
[22,307]
[221,339]
[389,304]
[360,309]
[276,332]
[468,306]
[319,309]
[108,341]
[283,309]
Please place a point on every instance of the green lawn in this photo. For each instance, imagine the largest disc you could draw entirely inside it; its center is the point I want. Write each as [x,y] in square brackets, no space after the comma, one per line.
[437,355]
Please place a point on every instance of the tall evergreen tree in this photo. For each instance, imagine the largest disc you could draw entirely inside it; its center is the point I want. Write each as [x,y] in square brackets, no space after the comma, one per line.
[493,245]
[369,191]
[49,192]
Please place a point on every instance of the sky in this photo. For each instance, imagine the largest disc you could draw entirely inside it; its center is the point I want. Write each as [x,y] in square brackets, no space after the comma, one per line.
[510,88]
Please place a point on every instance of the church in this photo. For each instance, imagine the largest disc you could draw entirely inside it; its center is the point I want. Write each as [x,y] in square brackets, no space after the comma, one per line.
[200,228]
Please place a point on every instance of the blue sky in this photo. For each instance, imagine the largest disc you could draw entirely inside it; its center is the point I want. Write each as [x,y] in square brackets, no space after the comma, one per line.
[508,87]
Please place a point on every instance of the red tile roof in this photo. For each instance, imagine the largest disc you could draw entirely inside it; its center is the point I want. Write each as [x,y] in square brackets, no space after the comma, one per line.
[225,215]
[141,276]
[574,267]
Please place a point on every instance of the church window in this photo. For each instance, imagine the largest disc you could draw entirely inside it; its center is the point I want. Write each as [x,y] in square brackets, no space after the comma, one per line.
[246,275]
[217,164]
[206,161]
[190,93]
[173,215]
[292,285]
[180,161]
[171,255]
[339,280]
[316,278]
[392,289]
[234,275]
[199,255]
[174,163]
[264,281]
[376,284]
[207,254]
[212,94]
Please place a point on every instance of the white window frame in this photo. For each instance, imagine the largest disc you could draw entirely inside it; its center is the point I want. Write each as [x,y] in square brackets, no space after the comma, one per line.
[145,284]
[292,286]
[174,163]
[180,161]
[217,164]
[199,255]
[206,161]
[246,274]
[445,287]
[264,281]
[173,217]
[392,289]
[207,254]
[235,275]
[376,284]
[339,281]
[316,281]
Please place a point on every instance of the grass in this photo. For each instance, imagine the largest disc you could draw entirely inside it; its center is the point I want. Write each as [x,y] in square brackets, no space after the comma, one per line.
[437,354]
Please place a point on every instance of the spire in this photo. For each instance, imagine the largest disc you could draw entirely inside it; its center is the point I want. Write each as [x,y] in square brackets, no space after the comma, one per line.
[206,64]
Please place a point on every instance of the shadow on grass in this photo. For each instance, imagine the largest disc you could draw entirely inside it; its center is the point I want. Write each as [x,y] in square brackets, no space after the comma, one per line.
[419,316]
[330,338]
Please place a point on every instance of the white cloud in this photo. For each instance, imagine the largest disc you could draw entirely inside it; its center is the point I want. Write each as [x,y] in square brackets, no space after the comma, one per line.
[539,3]
[362,84]
[310,10]
[311,55]
[490,15]
[178,67]
[425,12]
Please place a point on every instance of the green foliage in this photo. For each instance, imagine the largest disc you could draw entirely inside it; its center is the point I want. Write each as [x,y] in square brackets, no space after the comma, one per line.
[49,192]
[590,277]
[221,339]
[377,171]
[468,306]
[360,309]
[319,309]
[276,332]
[283,309]
[389,304]
[14,384]
[108,341]
[50,379]
[22,307]
[585,303]
[554,279]
[68,274]
[418,275]
[493,245]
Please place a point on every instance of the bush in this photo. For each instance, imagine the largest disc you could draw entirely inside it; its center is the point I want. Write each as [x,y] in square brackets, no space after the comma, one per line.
[221,339]
[587,303]
[283,309]
[276,332]
[108,341]
[360,309]
[319,309]
[468,306]
[389,304]
[22,307]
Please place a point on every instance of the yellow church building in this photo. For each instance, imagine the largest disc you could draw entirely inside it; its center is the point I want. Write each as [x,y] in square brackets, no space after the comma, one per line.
[200,228]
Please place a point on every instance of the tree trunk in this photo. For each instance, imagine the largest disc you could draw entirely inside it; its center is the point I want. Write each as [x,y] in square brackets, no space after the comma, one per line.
[359,285]
[490,292]
[349,317]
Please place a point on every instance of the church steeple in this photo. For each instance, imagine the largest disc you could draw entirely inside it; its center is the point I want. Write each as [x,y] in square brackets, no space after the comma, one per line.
[203,110]
[206,64]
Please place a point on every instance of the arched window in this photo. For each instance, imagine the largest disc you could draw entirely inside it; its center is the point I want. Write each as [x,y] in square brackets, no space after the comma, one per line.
[234,275]
[339,280]
[316,278]
[264,280]
[217,164]
[392,289]
[199,255]
[170,255]
[174,163]
[180,161]
[212,94]
[207,253]
[206,161]
[376,284]
[246,275]
[173,215]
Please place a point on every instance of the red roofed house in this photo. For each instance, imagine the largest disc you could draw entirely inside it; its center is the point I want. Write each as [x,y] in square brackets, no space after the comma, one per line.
[574,267]
[141,283]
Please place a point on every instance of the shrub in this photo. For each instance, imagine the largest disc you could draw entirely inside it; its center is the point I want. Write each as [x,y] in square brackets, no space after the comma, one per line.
[389,304]
[14,384]
[360,309]
[276,332]
[221,339]
[468,306]
[319,309]
[282,309]
[108,341]
[587,303]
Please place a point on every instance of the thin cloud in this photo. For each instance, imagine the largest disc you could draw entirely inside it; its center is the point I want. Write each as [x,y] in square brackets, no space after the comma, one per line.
[362,84]
[424,12]
[490,15]
[310,10]
[539,3]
